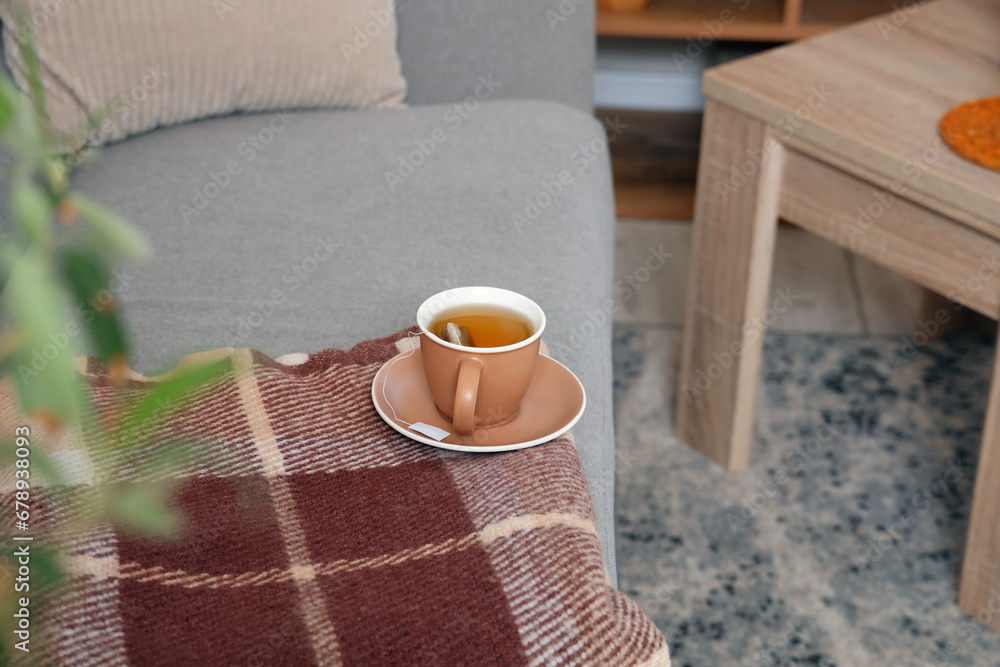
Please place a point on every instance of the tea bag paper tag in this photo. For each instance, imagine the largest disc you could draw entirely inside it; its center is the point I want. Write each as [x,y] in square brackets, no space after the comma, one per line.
[438,434]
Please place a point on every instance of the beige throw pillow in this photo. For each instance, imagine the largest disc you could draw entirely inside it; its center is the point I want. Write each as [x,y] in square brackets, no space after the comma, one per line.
[140,64]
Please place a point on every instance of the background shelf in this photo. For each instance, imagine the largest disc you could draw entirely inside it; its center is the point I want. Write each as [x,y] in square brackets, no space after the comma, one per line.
[747,20]
[655,161]
[719,19]
[826,14]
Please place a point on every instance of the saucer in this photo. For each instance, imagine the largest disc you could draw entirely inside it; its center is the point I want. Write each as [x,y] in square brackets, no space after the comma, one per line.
[554,402]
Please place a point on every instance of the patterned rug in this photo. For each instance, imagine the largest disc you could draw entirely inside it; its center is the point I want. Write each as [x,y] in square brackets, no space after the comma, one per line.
[819,569]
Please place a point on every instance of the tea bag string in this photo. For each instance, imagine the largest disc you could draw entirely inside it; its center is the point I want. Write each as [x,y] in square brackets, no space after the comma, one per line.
[385,398]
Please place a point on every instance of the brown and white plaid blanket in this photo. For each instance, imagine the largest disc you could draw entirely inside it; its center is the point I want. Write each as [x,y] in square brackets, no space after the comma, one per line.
[318,535]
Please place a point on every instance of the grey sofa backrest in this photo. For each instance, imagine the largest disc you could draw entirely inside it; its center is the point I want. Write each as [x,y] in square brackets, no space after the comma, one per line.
[541,49]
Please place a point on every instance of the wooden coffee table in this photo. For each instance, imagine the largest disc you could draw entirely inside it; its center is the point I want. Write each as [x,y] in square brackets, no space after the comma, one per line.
[838,135]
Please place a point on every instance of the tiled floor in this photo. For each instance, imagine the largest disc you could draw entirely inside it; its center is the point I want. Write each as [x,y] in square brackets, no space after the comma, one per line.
[840,292]
[740,570]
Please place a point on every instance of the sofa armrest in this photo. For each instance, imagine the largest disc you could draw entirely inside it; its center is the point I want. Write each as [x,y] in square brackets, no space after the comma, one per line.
[542,49]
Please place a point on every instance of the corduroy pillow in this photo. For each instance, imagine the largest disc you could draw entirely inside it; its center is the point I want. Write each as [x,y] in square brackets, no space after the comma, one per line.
[140,64]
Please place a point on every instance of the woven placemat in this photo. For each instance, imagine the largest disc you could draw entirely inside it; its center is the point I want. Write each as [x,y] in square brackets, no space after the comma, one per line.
[319,535]
[972,129]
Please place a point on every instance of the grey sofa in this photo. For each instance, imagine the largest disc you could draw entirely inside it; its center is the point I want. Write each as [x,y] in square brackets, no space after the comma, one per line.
[313,244]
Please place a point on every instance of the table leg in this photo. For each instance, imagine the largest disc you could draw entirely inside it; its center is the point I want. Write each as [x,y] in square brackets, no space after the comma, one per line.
[736,217]
[979,594]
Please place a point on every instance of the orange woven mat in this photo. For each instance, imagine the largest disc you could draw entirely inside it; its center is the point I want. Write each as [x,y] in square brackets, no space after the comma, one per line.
[973,130]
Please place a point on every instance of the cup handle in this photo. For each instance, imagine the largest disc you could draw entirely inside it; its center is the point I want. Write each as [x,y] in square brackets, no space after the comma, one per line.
[466,391]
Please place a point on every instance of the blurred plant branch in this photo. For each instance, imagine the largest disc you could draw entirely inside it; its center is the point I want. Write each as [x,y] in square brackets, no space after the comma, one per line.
[58,250]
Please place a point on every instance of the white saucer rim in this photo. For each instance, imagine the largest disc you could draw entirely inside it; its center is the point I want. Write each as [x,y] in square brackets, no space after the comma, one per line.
[412,435]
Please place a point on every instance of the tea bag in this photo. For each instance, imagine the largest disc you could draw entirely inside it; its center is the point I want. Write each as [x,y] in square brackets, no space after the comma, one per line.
[457,334]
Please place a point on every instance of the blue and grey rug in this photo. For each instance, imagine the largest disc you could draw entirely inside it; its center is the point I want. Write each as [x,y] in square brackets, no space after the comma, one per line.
[843,543]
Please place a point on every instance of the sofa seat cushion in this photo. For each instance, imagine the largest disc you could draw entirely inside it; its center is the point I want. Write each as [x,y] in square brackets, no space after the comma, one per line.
[303,231]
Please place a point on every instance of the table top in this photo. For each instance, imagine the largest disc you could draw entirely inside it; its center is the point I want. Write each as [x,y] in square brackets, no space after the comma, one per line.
[871,95]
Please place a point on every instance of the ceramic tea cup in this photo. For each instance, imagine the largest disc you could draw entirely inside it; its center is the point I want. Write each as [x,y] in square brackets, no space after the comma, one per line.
[478,387]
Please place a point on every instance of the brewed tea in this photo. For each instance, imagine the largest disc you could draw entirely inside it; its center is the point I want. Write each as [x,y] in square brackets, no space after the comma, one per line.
[488,325]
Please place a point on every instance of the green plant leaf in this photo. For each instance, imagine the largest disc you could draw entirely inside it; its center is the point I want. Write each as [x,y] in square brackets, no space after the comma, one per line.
[25,140]
[33,73]
[10,101]
[87,279]
[46,562]
[172,393]
[56,173]
[144,508]
[10,252]
[42,465]
[33,210]
[120,235]
[42,365]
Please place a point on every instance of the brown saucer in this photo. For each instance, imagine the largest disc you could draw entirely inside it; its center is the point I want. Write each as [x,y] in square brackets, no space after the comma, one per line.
[554,402]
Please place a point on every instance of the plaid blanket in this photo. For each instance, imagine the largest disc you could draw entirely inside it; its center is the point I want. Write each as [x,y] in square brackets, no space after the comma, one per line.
[318,535]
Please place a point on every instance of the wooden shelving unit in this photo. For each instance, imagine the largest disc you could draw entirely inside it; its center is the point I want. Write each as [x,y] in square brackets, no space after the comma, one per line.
[744,20]
[650,180]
